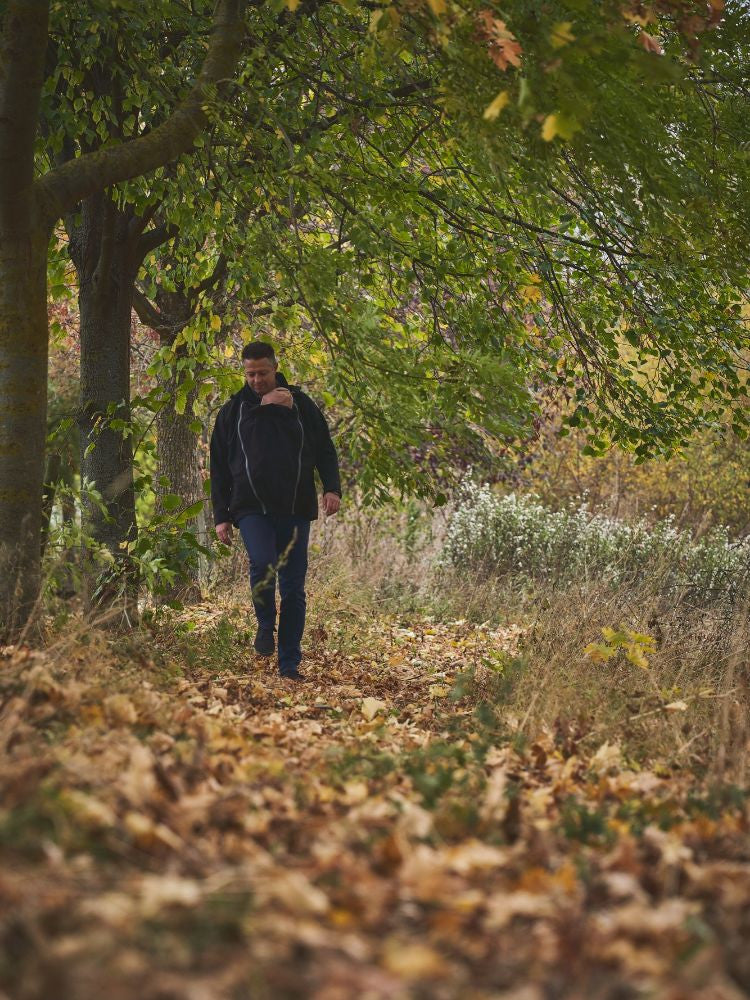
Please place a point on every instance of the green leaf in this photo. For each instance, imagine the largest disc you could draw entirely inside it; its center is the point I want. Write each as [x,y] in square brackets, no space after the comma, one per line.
[171,501]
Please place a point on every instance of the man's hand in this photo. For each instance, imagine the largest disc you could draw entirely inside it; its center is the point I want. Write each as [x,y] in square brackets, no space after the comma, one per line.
[331,503]
[279,395]
[224,532]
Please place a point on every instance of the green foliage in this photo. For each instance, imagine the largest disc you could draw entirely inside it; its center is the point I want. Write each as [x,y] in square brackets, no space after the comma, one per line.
[428,269]
[167,551]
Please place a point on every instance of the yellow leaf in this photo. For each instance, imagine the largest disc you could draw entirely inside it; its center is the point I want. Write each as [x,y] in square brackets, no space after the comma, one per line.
[558,124]
[609,755]
[636,655]
[599,652]
[561,35]
[529,290]
[216,323]
[292,4]
[437,7]
[549,128]
[494,108]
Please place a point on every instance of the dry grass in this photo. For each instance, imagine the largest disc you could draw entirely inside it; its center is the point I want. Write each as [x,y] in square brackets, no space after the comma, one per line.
[699,664]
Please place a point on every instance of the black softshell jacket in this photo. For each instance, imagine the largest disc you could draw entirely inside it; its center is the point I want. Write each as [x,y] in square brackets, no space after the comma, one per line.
[263,457]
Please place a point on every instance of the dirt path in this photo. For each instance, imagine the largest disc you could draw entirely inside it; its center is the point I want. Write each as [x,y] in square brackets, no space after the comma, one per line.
[221,835]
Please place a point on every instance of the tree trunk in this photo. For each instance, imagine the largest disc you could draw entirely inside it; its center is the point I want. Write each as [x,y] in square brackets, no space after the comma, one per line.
[105,256]
[23,419]
[177,466]
[24,237]
[177,457]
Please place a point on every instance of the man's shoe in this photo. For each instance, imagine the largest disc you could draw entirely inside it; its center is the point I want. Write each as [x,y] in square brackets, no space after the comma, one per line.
[293,676]
[264,641]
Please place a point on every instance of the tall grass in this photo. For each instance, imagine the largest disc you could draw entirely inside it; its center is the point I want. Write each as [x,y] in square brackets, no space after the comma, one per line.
[577,575]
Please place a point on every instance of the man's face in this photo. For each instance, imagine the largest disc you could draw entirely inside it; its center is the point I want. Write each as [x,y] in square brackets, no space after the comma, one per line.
[260,375]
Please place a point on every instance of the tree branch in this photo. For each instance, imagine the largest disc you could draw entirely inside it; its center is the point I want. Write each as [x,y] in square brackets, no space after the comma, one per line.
[154,238]
[147,312]
[64,186]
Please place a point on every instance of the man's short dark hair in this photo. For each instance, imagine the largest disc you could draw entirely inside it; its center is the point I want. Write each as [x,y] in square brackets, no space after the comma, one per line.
[257,350]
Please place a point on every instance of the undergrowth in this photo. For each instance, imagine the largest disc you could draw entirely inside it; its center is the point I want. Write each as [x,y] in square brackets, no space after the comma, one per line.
[690,698]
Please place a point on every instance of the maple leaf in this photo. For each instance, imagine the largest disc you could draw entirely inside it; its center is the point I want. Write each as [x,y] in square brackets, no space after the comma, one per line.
[559,125]
[503,47]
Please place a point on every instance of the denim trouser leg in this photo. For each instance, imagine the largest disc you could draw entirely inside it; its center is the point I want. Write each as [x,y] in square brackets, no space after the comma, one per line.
[259,537]
[292,533]
[267,538]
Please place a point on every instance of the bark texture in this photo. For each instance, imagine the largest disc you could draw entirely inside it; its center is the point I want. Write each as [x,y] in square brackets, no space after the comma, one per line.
[23,314]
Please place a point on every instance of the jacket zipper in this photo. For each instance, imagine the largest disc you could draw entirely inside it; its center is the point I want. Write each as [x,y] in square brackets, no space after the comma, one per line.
[247,464]
[299,457]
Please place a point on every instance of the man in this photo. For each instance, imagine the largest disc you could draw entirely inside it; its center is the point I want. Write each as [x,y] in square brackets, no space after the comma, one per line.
[266,443]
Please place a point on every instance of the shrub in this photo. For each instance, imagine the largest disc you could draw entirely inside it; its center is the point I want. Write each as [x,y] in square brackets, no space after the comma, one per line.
[516,535]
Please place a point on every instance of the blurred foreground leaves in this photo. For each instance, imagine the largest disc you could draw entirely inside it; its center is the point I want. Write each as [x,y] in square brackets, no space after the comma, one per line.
[382,831]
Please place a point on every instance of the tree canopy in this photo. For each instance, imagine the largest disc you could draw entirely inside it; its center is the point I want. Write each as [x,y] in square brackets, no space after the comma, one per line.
[443,212]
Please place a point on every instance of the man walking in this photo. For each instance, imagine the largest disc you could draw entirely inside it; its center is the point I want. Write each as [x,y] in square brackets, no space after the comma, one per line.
[267,441]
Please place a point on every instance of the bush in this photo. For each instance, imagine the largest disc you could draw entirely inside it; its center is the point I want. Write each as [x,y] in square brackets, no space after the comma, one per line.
[516,535]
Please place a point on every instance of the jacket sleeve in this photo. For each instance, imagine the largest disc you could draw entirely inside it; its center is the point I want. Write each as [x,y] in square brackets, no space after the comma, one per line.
[326,459]
[221,477]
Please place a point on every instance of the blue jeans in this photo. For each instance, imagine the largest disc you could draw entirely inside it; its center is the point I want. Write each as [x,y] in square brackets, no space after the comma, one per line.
[277,543]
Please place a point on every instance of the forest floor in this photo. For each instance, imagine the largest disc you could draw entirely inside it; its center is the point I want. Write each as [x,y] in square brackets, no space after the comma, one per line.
[179,824]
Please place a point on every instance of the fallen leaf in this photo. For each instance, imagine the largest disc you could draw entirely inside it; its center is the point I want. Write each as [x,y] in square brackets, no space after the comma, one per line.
[371,706]
[413,960]
[295,891]
[120,710]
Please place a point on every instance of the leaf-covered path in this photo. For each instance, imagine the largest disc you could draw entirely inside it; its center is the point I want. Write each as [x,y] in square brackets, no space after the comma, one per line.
[378,832]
